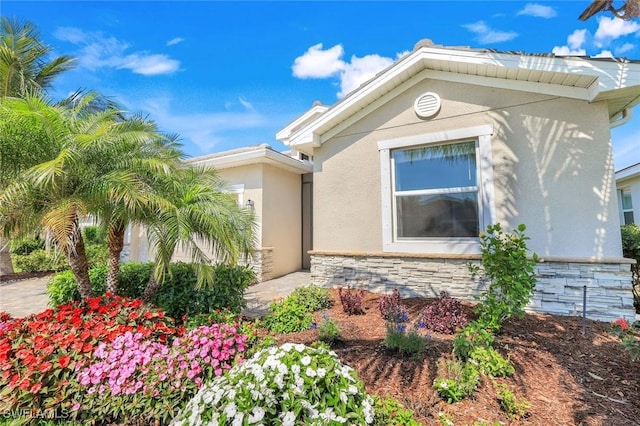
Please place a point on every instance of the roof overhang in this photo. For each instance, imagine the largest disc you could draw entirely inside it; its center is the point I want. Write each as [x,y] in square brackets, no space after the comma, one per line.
[588,79]
[262,154]
[628,173]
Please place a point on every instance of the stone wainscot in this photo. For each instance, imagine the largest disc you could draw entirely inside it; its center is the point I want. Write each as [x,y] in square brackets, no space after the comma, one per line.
[560,287]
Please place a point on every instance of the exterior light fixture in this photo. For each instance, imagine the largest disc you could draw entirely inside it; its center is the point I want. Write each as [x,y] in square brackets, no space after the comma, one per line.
[250,204]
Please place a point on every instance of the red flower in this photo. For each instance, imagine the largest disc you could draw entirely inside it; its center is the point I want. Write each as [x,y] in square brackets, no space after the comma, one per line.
[64,361]
[25,384]
[35,388]
[45,366]
[622,323]
[134,316]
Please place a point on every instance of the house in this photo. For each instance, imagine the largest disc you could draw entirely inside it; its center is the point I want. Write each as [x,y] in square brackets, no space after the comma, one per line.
[412,165]
[628,190]
[274,185]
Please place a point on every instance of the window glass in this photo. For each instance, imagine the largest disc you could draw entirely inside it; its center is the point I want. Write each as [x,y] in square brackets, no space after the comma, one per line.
[435,191]
[627,206]
[442,166]
[438,215]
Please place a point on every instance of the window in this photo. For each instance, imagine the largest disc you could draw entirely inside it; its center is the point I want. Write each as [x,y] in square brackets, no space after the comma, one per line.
[238,192]
[437,191]
[627,206]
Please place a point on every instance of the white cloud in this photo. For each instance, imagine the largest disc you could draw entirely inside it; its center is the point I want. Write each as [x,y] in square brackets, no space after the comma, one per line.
[576,39]
[70,34]
[360,70]
[575,42]
[604,54]
[318,63]
[566,51]
[146,64]
[538,11]
[246,104]
[487,35]
[613,28]
[206,130]
[99,51]
[624,48]
[175,41]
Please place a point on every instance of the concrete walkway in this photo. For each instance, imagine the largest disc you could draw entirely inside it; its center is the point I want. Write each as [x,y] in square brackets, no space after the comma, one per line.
[26,297]
[259,296]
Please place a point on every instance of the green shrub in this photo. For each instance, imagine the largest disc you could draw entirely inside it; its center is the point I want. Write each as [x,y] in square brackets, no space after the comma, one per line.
[94,235]
[470,337]
[291,384]
[25,246]
[328,331]
[456,380]
[389,412]
[312,297]
[40,261]
[134,277]
[631,250]
[97,254]
[510,273]
[403,341]
[287,316]
[514,407]
[178,296]
[490,362]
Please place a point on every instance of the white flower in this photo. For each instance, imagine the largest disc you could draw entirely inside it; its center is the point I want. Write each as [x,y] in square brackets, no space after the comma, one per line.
[231,409]
[288,418]
[306,360]
[444,385]
[300,347]
[311,372]
[296,369]
[321,372]
[343,397]
[237,419]
[367,404]
[256,415]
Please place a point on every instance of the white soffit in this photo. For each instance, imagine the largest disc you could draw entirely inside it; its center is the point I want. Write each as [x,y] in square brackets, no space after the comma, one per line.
[591,80]
[260,155]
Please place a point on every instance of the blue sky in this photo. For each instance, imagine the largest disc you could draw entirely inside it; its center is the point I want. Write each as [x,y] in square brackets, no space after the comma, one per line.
[228,74]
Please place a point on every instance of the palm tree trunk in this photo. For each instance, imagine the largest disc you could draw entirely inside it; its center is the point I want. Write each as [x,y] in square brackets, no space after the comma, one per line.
[151,289]
[115,243]
[79,265]
[6,267]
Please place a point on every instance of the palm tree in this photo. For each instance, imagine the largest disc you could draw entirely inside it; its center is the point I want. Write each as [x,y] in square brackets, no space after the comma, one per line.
[24,59]
[128,193]
[89,174]
[25,67]
[203,218]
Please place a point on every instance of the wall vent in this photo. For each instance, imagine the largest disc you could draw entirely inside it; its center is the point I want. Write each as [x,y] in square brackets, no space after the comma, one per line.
[427,105]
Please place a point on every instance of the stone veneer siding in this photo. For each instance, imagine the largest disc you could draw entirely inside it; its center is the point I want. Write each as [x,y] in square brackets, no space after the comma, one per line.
[559,289]
[261,261]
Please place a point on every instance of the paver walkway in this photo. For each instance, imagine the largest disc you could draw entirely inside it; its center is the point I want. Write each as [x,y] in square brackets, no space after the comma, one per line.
[26,297]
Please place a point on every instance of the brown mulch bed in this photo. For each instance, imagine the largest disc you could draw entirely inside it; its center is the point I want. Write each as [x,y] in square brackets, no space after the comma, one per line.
[569,378]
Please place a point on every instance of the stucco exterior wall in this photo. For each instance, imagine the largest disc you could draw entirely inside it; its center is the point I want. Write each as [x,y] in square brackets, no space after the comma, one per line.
[552,168]
[282,219]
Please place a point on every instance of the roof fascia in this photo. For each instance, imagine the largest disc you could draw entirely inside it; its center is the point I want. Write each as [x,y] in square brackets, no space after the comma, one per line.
[628,172]
[610,75]
[314,112]
[258,156]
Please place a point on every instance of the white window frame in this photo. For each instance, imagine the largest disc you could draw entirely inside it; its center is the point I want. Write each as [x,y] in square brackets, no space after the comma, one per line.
[622,209]
[486,205]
